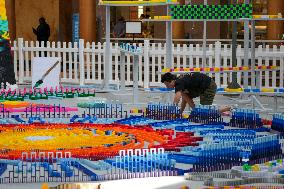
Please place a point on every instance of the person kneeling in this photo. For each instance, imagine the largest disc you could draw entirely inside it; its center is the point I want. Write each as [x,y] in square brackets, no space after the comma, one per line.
[190,86]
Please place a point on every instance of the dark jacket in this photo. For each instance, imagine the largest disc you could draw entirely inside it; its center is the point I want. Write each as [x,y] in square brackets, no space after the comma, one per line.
[42,32]
[193,84]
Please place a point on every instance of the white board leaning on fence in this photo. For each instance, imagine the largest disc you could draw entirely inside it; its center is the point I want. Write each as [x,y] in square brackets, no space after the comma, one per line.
[40,65]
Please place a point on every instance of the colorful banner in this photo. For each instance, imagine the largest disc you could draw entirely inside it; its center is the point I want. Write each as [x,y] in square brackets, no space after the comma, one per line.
[7,74]
[3,21]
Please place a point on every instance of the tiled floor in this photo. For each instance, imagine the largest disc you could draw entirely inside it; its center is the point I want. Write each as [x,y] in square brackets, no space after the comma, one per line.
[144,97]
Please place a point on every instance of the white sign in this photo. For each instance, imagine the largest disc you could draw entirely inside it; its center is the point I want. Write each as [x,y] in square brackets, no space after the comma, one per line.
[40,66]
[134,27]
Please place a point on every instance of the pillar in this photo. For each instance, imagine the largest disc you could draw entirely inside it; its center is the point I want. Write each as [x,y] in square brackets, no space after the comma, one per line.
[275,29]
[10,8]
[225,26]
[87,9]
[65,20]
[178,27]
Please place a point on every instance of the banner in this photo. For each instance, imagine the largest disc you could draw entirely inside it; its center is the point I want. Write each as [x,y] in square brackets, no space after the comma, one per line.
[3,21]
[75,28]
[6,61]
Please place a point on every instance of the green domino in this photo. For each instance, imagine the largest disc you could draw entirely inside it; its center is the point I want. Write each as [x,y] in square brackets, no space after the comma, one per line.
[212,11]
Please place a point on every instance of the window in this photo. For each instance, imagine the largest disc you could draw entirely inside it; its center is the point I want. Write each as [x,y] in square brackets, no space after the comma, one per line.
[140,11]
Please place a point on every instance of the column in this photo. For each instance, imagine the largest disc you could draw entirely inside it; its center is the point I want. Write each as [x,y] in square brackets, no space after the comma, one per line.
[65,20]
[225,26]
[178,27]
[87,9]
[275,29]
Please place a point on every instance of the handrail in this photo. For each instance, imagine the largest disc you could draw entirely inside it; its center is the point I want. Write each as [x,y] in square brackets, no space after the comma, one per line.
[193,40]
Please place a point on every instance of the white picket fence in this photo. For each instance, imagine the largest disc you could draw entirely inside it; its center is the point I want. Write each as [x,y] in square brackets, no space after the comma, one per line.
[83,63]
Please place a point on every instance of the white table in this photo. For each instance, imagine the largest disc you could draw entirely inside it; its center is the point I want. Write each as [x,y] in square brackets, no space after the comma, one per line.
[135,72]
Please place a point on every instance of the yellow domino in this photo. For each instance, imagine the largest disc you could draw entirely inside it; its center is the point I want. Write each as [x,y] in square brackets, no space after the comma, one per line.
[155,1]
[246,68]
[274,67]
[185,116]
[167,17]
[127,2]
[256,16]
[164,70]
[263,67]
[207,69]
[256,168]
[273,16]
[266,90]
[234,90]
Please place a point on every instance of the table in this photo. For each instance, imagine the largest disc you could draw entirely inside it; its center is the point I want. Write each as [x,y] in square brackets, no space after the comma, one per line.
[135,72]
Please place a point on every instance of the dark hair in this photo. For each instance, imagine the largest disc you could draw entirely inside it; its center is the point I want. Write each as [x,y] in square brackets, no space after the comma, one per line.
[121,19]
[142,16]
[168,77]
[42,19]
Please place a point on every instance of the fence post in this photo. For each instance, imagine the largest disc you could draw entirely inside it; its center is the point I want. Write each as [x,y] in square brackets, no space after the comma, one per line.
[21,60]
[217,62]
[281,67]
[15,61]
[81,62]
[146,63]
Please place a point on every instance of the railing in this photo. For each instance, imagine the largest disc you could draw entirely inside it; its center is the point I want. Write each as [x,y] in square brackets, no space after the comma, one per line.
[193,41]
[83,63]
